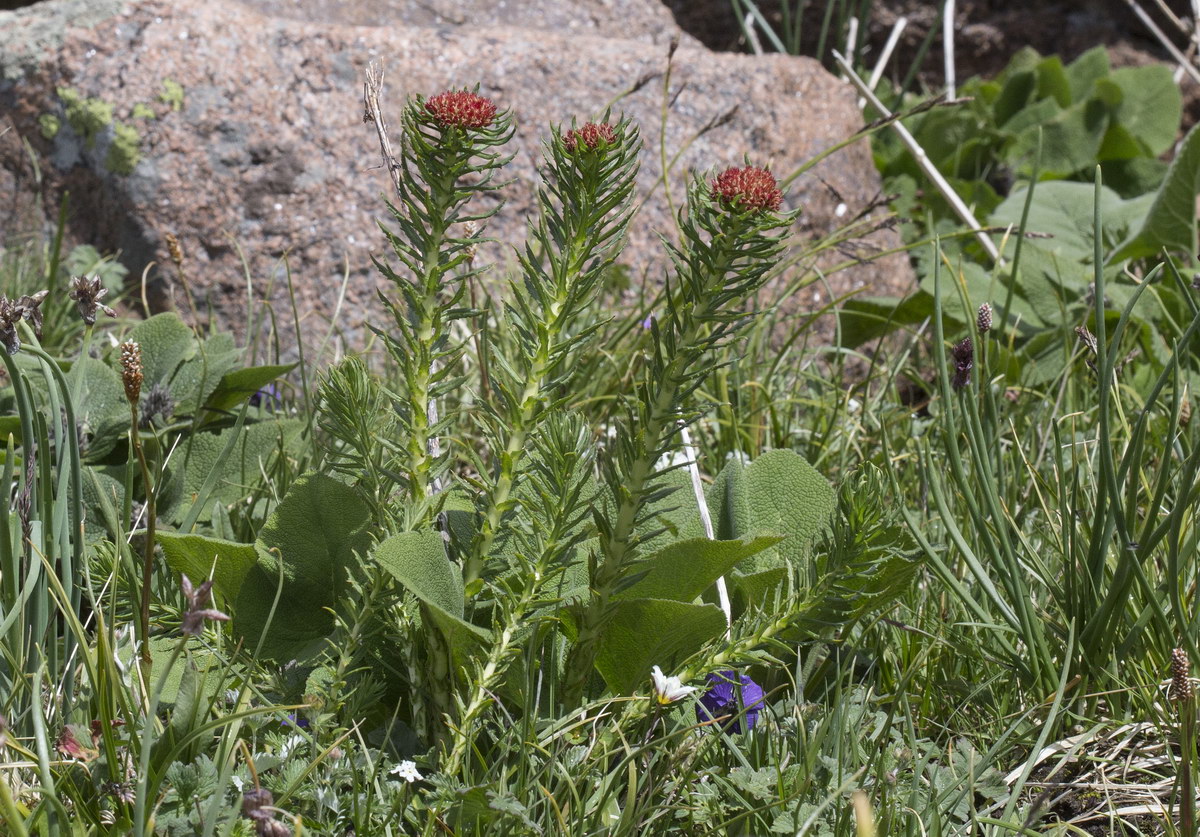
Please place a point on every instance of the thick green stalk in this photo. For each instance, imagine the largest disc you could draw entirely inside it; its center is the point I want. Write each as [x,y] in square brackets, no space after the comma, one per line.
[661,421]
[422,447]
[148,553]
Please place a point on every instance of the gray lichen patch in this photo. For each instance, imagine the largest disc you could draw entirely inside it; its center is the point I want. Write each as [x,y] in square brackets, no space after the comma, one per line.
[35,30]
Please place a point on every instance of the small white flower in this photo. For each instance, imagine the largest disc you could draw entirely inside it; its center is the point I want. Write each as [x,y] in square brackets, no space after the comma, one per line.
[289,746]
[237,782]
[406,770]
[668,689]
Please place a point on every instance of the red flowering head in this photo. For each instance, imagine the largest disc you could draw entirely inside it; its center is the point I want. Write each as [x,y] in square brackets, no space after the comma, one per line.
[590,137]
[461,109]
[748,189]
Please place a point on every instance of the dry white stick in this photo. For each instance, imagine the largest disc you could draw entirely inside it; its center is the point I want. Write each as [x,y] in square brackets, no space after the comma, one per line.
[888,49]
[956,203]
[689,450]
[948,46]
[372,88]
[1170,47]
[885,56]
[751,35]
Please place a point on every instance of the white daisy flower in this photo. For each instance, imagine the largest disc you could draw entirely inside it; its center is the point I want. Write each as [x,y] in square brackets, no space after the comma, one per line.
[406,770]
[668,689]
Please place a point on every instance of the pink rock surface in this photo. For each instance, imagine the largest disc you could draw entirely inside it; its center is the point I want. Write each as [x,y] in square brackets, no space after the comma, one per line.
[269,154]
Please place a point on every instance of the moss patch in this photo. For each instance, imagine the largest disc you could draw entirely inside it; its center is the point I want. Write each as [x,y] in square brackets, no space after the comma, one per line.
[124,153]
[87,117]
[172,94]
[50,125]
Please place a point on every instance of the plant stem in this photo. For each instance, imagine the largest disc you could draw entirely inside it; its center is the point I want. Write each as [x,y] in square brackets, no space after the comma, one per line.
[661,420]
[148,554]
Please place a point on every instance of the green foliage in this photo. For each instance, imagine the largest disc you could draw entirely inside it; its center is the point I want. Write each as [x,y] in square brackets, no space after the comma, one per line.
[124,151]
[458,635]
[305,550]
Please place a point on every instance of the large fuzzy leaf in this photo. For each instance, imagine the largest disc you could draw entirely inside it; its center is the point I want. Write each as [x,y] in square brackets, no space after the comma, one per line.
[240,384]
[418,561]
[200,375]
[642,633]
[196,556]
[310,540]
[254,449]
[777,494]
[685,569]
[1171,220]
[166,343]
[100,405]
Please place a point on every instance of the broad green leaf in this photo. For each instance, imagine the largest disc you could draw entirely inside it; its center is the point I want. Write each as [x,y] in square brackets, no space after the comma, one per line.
[1052,81]
[11,425]
[1014,96]
[1135,178]
[236,386]
[310,539]
[685,569]
[1070,139]
[642,633]
[1171,220]
[196,556]
[778,493]
[100,405]
[1085,71]
[242,472]
[199,376]
[166,342]
[418,561]
[755,589]
[979,287]
[1151,106]
[1064,210]
[866,318]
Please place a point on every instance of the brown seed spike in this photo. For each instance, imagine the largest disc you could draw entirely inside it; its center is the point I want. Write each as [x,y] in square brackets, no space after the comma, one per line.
[1181,681]
[984,320]
[131,370]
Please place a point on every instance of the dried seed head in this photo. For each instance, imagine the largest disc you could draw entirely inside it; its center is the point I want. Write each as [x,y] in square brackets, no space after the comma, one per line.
[198,599]
[1185,411]
[984,321]
[174,249]
[461,109]
[964,360]
[158,402]
[591,137]
[131,370]
[10,315]
[254,800]
[748,189]
[1181,681]
[87,293]
[470,231]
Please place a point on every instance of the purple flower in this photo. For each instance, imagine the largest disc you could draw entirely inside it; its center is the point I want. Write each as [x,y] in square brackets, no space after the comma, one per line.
[731,695]
[268,396]
[293,721]
[964,359]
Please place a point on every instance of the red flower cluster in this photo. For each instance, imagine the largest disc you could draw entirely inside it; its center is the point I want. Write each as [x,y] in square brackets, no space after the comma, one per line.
[590,137]
[461,109]
[749,189]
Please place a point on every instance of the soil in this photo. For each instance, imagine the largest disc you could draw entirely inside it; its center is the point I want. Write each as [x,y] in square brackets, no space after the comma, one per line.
[987,33]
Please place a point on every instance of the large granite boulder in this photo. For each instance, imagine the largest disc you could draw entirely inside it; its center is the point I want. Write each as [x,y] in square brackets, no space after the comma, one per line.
[242,133]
